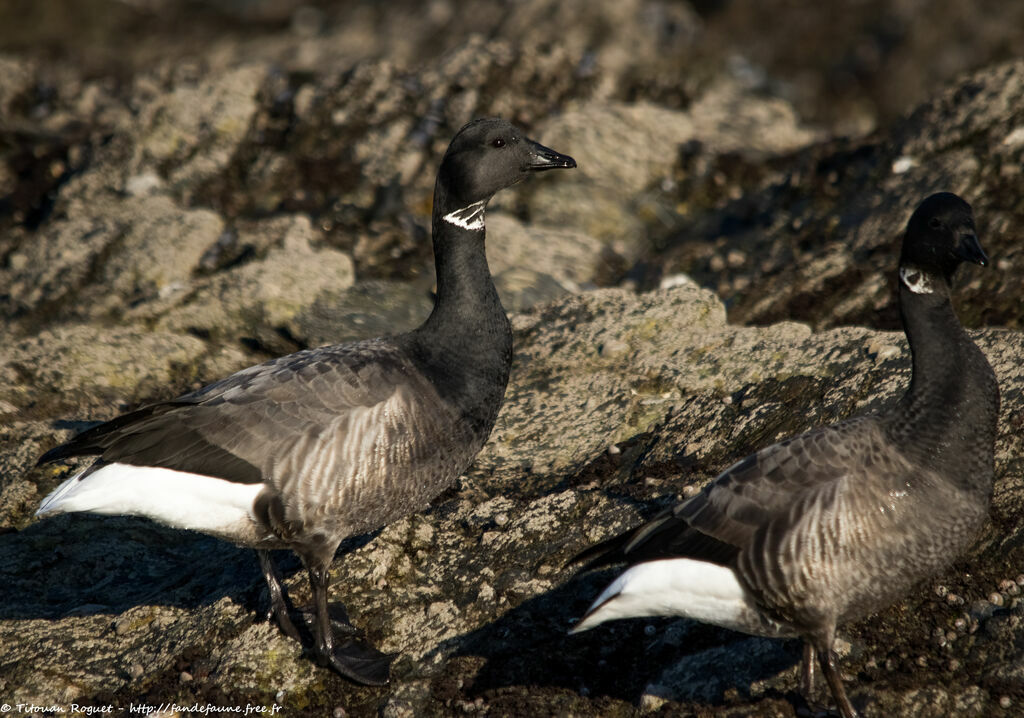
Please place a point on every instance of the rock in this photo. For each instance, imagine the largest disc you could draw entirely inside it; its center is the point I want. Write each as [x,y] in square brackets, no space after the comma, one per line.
[534,264]
[705,676]
[263,294]
[109,256]
[182,208]
[366,309]
[58,368]
[625,391]
[18,76]
[660,403]
[623,150]
[521,288]
[192,132]
[881,352]
[825,224]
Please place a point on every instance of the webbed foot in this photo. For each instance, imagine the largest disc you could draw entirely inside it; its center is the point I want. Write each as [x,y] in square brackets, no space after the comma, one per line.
[358,661]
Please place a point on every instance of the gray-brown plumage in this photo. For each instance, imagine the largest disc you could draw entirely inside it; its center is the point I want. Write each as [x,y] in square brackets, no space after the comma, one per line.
[835,524]
[307,449]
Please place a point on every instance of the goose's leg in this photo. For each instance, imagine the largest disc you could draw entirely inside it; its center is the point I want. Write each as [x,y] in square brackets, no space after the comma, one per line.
[278,602]
[356,661]
[807,674]
[338,615]
[835,682]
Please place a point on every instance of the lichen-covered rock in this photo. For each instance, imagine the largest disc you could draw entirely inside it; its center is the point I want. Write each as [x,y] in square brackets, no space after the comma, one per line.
[268,292]
[60,367]
[191,133]
[618,403]
[624,150]
[109,256]
[178,207]
[814,237]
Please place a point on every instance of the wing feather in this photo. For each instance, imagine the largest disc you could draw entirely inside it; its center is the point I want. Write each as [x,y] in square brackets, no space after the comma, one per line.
[238,427]
[766,488]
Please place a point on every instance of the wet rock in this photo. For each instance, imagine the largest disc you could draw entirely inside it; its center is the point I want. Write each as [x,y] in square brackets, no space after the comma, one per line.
[824,225]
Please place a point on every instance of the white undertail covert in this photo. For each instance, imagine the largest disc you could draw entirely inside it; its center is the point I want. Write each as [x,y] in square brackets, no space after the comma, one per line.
[681,587]
[175,498]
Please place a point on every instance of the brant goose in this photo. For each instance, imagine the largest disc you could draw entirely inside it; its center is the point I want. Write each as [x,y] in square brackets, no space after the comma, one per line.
[832,525]
[308,449]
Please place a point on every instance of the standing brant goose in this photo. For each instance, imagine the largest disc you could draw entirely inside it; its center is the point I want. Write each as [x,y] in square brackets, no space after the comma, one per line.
[832,525]
[308,449]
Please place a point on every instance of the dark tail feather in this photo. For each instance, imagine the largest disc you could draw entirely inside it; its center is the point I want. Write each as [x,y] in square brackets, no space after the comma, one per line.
[95,440]
[66,451]
[619,549]
[664,536]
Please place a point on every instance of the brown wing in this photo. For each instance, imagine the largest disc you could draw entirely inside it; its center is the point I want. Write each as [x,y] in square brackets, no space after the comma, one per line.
[236,428]
[765,486]
[762,489]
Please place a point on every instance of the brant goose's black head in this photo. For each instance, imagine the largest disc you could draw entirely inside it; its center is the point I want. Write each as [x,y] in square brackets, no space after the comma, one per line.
[490,154]
[940,235]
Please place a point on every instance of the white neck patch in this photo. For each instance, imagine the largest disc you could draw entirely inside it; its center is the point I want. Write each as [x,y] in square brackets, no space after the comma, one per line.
[471,217]
[916,280]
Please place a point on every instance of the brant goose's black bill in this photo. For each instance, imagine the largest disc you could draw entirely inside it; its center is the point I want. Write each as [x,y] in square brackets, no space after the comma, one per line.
[544,158]
[970,250]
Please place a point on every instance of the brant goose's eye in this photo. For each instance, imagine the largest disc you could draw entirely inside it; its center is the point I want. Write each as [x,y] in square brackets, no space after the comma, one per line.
[498,142]
[934,223]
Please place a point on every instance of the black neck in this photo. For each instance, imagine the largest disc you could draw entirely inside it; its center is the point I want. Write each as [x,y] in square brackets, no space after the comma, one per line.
[467,301]
[465,345]
[947,418]
[465,291]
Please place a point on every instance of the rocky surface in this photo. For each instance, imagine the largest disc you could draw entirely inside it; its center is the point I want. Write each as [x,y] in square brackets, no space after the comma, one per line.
[813,236]
[716,275]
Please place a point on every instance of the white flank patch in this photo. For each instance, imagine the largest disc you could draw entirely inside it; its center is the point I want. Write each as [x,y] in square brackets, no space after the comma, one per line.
[471,217]
[916,280]
[682,587]
[175,498]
